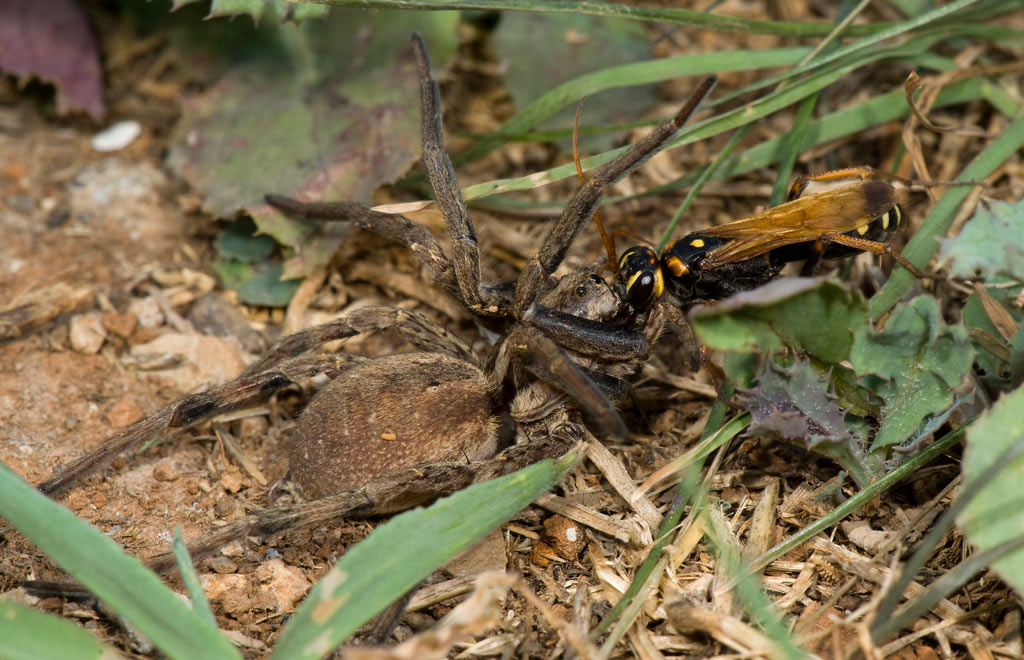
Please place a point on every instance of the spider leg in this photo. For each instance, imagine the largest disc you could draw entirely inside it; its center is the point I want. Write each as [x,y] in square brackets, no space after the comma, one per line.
[283,364]
[586,336]
[390,493]
[546,360]
[396,227]
[586,198]
[441,173]
[413,326]
[194,408]
[386,494]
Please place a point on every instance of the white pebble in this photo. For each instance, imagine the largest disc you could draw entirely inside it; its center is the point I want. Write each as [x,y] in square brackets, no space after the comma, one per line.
[117,136]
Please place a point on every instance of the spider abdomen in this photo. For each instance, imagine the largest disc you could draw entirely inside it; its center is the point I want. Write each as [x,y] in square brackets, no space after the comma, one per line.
[391,413]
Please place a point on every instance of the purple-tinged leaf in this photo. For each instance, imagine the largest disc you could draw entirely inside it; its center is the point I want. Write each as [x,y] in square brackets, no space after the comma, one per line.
[52,41]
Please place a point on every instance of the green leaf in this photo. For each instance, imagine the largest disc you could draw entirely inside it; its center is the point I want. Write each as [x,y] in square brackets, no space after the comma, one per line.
[917,360]
[256,9]
[267,289]
[118,579]
[26,634]
[403,551]
[991,243]
[995,367]
[996,514]
[814,315]
[239,241]
[330,114]
[233,274]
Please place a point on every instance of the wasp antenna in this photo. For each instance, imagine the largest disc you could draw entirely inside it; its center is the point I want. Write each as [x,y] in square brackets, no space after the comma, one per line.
[609,241]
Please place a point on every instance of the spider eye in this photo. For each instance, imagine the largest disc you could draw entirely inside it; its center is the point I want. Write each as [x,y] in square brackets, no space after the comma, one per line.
[581,291]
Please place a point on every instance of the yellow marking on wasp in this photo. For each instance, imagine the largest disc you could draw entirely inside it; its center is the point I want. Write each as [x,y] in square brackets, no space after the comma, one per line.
[697,242]
[633,278]
[659,283]
[885,220]
[863,229]
[676,265]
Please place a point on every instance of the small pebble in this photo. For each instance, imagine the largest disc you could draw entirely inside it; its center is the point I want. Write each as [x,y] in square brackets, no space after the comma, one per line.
[117,136]
[222,565]
[86,333]
[564,535]
[148,313]
[165,472]
[541,554]
[122,325]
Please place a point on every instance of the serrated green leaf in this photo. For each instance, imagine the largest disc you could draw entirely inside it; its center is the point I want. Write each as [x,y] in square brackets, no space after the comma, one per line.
[116,578]
[996,513]
[293,11]
[794,402]
[26,634]
[403,551]
[813,315]
[267,289]
[917,360]
[253,8]
[991,243]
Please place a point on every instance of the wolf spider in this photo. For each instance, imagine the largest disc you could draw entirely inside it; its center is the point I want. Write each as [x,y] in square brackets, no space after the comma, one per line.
[392,432]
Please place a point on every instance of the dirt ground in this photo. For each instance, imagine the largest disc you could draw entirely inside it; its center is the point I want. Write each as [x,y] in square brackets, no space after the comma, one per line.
[114,258]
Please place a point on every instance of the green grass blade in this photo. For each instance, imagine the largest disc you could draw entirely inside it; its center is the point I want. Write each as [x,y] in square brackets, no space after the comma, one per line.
[705,175]
[27,634]
[190,577]
[403,551]
[688,17]
[118,579]
[627,75]
[923,245]
[748,587]
[740,116]
[853,50]
[791,149]
[714,436]
[947,584]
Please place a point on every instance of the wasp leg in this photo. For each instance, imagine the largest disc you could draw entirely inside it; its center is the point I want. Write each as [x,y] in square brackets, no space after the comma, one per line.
[870,246]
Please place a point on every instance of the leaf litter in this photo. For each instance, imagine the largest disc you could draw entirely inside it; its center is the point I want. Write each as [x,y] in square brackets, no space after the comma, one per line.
[57,403]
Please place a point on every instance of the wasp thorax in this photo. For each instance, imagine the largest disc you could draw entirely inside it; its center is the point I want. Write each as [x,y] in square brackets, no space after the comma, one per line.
[640,276]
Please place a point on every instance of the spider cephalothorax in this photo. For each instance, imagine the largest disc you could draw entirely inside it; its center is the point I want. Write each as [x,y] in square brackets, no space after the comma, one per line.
[392,432]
